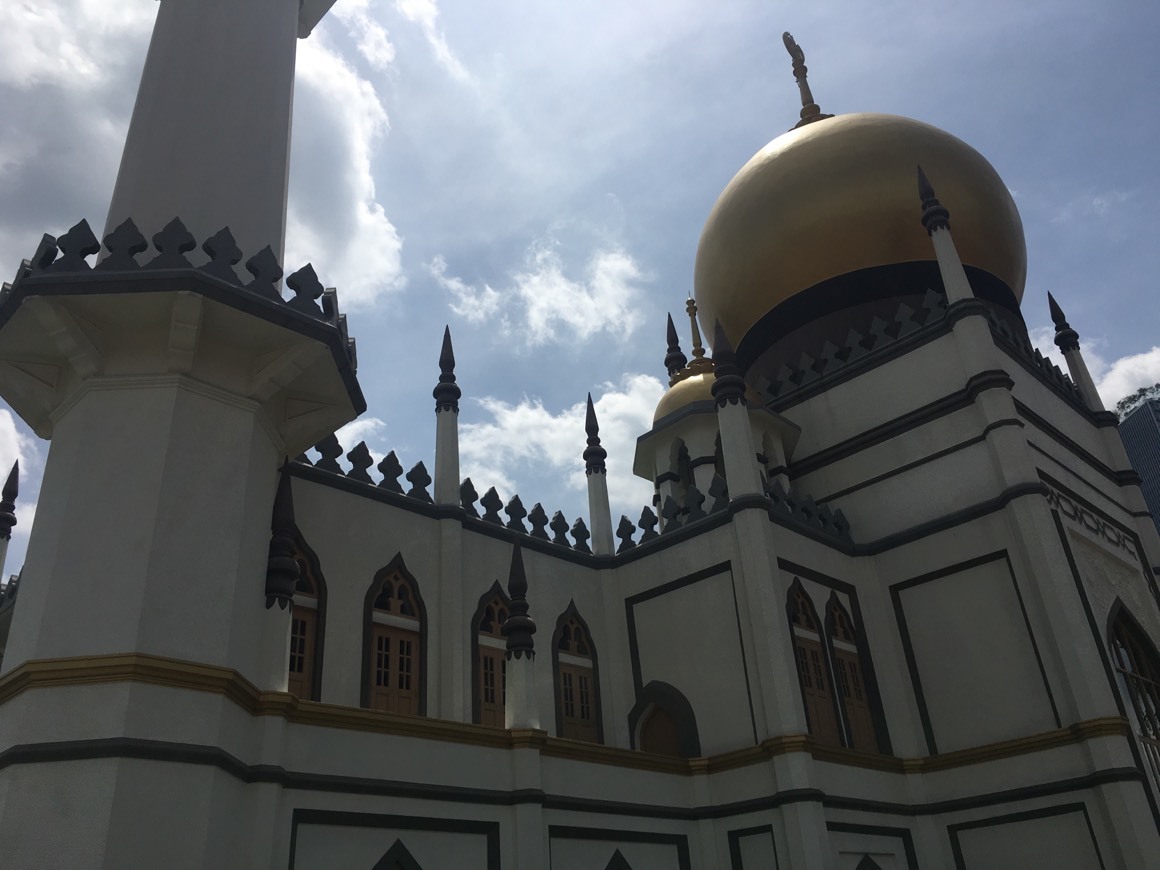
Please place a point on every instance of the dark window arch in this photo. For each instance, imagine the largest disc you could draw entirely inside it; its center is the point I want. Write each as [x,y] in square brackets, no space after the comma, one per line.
[398,857]
[394,676]
[663,720]
[307,625]
[812,667]
[1137,666]
[575,677]
[853,689]
[618,862]
[488,658]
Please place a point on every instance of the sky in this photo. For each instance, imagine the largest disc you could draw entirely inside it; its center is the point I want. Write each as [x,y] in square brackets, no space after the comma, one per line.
[536,176]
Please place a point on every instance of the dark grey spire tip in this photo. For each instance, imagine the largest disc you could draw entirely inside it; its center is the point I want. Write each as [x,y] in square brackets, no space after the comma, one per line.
[728,385]
[934,215]
[675,360]
[591,427]
[1057,315]
[721,345]
[447,353]
[446,392]
[519,627]
[925,188]
[1066,338]
[12,484]
[594,454]
[282,570]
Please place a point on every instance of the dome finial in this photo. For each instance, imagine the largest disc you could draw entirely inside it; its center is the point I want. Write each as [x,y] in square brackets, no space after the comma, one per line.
[699,362]
[810,110]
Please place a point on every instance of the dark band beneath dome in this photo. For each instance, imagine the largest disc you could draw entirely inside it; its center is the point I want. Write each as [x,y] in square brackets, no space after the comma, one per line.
[832,305]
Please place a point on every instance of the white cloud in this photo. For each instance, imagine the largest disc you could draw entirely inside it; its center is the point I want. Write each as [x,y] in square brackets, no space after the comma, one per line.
[425,13]
[335,219]
[524,442]
[1092,205]
[544,305]
[371,38]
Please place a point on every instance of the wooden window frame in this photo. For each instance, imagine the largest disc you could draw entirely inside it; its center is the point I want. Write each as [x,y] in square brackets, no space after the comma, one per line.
[395,567]
[309,565]
[804,646]
[836,612]
[571,612]
[496,591]
[1139,681]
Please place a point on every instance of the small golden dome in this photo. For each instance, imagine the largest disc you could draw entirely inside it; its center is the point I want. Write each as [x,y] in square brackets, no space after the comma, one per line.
[694,388]
[839,195]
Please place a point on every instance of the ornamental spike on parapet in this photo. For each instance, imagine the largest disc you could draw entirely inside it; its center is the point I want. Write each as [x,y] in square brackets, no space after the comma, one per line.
[281,568]
[519,627]
[594,454]
[675,359]
[934,214]
[8,501]
[728,386]
[1066,338]
[447,392]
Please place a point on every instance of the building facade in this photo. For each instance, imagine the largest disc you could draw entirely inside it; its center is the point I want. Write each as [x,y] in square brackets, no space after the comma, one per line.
[1140,430]
[893,604]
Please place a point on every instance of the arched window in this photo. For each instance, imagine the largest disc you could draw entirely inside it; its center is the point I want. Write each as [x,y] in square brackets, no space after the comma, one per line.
[813,672]
[577,690]
[489,668]
[659,734]
[663,722]
[394,676]
[851,682]
[1138,667]
[307,626]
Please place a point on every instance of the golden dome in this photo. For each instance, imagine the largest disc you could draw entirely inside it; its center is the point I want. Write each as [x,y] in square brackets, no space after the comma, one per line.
[694,388]
[839,195]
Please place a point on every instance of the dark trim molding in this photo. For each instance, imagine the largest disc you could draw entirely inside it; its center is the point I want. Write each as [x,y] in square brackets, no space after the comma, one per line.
[613,836]
[673,702]
[880,831]
[489,830]
[953,831]
[396,564]
[1119,478]
[570,612]
[735,836]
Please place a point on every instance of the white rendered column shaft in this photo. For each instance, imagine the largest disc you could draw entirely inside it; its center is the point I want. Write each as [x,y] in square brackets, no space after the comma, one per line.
[3,555]
[521,709]
[954,276]
[209,139]
[599,513]
[737,449]
[1078,370]
[447,457]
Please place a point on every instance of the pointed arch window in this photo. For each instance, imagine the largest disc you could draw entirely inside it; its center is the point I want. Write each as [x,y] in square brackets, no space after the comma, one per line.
[489,668]
[395,629]
[307,626]
[813,670]
[850,679]
[577,689]
[1138,667]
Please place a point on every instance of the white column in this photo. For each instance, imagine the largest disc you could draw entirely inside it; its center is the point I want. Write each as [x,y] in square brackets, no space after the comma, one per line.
[936,219]
[446,395]
[209,139]
[521,708]
[1067,340]
[742,472]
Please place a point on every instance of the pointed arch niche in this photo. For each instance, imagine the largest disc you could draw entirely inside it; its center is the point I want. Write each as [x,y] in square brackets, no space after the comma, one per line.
[307,625]
[663,722]
[488,658]
[852,687]
[1137,667]
[812,667]
[394,671]
[398,857]
[576,680]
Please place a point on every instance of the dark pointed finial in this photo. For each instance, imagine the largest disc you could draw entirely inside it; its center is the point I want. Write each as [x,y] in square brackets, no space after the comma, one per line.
[519,627]
[281,569]
[728,386]
[934,215]
[446,392]
[594,454]
[1066,338]
[810,110]
[675,360]
[8,501]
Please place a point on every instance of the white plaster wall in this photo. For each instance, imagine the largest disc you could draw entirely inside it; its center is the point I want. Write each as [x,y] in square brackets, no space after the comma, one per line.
[343,847]
[975,659]
[571,854]
[1059,841]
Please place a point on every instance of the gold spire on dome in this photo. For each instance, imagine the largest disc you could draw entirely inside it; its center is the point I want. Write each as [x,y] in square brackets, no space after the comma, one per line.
[699,364]
[810,110]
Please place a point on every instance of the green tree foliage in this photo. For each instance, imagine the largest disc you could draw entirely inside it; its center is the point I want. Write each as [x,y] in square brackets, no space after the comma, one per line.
[1129,403]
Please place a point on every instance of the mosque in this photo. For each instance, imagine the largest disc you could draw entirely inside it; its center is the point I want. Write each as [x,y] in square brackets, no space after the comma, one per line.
[894,604]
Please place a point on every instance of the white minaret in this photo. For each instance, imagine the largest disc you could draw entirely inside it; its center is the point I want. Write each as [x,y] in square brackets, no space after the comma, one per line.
[209,141]
[737,448]
[520,707]
[446,395]
[1067,340]
[598,511]
[936,220]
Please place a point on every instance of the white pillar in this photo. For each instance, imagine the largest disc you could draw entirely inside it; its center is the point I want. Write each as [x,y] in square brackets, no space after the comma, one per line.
[936,219]
[209,140]
[521,709]
[446,394]
[599,515]
[1067,340]
[737,448]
